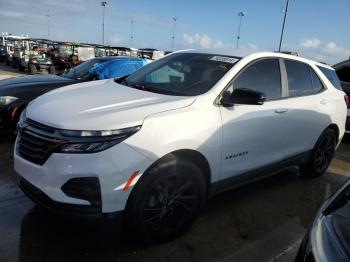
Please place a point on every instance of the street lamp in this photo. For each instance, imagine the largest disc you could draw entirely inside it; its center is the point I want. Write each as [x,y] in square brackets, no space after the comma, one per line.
[103,4]
[132,32]
[240,14]
[284,22]
[48,26]
[173,38]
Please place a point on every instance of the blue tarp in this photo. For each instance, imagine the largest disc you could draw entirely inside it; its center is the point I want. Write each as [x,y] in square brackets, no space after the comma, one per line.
[118,67]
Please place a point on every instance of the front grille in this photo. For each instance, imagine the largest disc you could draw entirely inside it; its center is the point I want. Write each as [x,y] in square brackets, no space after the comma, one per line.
[36,142]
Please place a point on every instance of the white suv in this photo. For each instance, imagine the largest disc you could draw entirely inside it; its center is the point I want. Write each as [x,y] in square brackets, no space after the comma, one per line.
[157,143]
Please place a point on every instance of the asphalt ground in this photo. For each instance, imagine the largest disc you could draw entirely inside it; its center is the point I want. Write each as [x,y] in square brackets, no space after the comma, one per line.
[262,221]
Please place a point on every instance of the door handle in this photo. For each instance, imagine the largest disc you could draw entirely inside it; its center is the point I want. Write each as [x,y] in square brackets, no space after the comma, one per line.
[281,110]
[324,102]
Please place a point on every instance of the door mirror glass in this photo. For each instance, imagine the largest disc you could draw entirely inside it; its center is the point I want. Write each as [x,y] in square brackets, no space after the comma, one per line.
[242,96]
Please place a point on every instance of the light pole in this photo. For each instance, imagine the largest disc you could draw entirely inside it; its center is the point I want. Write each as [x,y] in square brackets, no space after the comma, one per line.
[103,3]
[173,38]
[284,22]
[132,32]
[240,14]
[48,26]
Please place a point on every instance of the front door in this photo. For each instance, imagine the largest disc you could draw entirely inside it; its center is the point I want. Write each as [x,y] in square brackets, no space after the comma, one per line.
[251,133]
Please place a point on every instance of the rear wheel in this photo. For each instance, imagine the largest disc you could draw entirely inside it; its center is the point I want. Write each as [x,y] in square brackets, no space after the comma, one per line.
[167,200]
[321,155]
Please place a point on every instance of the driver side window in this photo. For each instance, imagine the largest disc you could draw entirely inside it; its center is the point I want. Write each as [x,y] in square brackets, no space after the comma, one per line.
[262,76]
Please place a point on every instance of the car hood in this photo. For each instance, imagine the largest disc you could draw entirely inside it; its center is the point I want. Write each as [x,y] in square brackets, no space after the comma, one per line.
[100,105]
[14,85]
[29,80]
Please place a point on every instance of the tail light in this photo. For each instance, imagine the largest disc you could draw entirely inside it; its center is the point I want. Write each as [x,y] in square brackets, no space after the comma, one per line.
[346,98]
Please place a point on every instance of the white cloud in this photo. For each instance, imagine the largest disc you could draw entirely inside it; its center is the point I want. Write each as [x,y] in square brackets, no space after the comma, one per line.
[328,52]
[203,41]
[310,43]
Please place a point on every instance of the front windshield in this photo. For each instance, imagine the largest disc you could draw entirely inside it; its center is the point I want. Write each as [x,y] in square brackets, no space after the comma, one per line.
[183,74]
[81,71]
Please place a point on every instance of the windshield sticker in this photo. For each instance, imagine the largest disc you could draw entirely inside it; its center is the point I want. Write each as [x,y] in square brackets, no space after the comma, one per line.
[225,59]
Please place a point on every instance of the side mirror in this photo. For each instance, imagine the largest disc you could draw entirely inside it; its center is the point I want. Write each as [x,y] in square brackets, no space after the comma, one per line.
[242,96]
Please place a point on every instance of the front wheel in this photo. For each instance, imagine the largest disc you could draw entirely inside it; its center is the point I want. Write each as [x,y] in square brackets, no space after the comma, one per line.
[321,155]
[167,200]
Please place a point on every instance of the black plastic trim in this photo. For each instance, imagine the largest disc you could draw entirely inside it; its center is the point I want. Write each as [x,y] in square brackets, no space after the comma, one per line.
[39,197]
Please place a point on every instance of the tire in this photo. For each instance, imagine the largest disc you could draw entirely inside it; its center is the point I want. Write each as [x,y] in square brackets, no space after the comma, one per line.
[32,69]
[7,62]
[166,201]
[21,68]
[52,70]
[321,155]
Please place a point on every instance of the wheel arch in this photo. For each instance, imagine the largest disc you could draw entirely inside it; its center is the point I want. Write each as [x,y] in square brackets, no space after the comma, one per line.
[335,128]
[189,154]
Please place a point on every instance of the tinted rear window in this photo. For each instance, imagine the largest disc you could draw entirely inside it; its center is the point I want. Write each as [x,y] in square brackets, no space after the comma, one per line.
[299,78]
[332,76]
[316,82]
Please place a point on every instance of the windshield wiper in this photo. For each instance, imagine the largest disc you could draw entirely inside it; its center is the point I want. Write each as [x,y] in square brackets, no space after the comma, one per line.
[122,80]
[141,87]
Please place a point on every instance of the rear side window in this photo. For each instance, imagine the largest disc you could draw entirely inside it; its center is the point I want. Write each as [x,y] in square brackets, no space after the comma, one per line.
[316,82]
[263,76]
[332,76]
[299,78]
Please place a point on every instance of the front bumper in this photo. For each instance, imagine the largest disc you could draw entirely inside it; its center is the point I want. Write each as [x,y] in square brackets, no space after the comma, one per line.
[112,167]
[39,197]
[7,122]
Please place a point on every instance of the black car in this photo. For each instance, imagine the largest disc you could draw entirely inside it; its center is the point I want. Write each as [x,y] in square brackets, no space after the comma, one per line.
[343,71]
[328,238]
[16,93]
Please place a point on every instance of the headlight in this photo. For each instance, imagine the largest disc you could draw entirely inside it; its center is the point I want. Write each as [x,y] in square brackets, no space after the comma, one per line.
[94,141]
[5,100]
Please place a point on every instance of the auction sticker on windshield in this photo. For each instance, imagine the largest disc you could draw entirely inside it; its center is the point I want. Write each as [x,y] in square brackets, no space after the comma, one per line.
[225,59]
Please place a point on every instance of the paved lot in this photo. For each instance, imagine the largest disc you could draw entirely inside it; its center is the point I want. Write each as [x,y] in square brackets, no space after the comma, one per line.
[263,221]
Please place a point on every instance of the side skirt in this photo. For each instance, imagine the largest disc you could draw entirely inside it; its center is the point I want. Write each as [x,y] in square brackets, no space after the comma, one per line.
[257,174]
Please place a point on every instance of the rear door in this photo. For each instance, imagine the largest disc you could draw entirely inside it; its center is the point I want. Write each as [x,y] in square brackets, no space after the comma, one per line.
[307,107]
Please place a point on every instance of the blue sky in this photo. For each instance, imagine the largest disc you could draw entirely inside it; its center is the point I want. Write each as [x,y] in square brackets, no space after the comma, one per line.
[316,29]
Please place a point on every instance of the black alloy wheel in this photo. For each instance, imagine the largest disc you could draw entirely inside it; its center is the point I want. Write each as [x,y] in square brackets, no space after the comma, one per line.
[167,201]
[321,155]
[324,153]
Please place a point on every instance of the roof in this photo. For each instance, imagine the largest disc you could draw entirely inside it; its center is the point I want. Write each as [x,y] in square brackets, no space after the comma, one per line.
[257,55]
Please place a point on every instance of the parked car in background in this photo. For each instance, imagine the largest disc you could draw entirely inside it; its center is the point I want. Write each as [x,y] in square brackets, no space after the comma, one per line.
[328,237]
[16,93]
[154,145]
[343,71]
